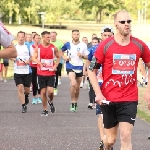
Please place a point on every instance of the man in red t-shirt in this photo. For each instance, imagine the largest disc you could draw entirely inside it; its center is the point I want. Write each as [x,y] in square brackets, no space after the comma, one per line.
[118,96]
[44,57]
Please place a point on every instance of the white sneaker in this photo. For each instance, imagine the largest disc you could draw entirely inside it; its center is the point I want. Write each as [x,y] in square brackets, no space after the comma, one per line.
[55,91]
[5,80]
[59,81]
[81,84]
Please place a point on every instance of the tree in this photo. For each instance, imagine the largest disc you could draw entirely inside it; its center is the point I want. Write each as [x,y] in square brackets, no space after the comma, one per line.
[100,6]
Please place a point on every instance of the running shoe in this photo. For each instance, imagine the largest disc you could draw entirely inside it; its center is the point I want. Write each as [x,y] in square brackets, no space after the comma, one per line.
[76,107]
[44,113]
[72,108]
[90,106]
[39,101]
[101,146]
[81,85]
[24,109]
[5,80]
[34,101]
[149,137]
[52,108]
[55,91]
[59,81]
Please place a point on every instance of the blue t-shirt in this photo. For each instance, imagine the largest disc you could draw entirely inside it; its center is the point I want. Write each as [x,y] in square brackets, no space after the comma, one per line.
[91,52]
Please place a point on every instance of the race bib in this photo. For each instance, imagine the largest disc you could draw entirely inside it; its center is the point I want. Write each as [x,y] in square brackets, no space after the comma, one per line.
[123,63]
[21,62]
[48,64]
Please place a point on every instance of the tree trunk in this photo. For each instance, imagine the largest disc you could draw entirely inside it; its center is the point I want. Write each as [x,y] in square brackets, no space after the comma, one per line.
[99,16]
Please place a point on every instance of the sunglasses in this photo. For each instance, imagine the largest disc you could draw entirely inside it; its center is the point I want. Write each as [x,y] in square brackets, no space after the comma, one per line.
[123,22]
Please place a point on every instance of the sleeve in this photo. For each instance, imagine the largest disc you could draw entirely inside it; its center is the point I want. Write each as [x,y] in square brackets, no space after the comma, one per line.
[65,46]
[146,53]
[85,52]
[90,54]
[99,53]
[5,37]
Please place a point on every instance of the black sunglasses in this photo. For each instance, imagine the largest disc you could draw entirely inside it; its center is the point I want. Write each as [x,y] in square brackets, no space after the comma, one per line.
[123,22]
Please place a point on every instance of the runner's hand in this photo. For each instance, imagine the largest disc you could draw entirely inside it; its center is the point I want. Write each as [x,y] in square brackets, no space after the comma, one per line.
[99,98]
[54,67]
[27,62]
[147,98]
[79,54]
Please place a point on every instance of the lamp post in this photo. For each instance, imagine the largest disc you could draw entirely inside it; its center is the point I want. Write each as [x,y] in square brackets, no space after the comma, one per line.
[42,18]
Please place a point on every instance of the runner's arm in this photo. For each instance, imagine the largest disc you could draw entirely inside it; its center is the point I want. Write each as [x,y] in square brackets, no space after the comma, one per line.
[35,56]
[6,41]
[57,54]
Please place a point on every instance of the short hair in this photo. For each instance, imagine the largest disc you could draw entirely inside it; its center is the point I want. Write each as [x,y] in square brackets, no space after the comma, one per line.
[21,32]
[54,32]
[36,35]
[75,30]
[96,38]
[84,37]
[44,33]
[116,14]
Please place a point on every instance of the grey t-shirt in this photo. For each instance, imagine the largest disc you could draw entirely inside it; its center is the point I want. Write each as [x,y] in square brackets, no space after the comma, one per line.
[5,37]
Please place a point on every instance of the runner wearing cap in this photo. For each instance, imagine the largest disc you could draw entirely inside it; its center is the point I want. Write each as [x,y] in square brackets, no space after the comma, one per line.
[106,32]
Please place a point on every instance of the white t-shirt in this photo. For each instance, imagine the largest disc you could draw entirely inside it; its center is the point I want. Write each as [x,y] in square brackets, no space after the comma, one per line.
[22,54]
[5,37]
[75,60]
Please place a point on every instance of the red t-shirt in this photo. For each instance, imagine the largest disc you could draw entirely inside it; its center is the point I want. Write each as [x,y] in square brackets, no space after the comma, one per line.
[119,69]
[46,55]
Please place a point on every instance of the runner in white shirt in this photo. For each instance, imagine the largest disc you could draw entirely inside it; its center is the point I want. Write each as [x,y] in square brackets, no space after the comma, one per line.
[22,75]
[76,52]
[6,41]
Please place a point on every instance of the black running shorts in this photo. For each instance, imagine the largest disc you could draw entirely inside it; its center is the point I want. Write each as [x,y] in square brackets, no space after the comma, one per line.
[45,81]
[24,79]
[77,74]
[119,112]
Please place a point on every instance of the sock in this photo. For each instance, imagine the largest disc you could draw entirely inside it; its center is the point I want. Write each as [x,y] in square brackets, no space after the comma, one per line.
[23,105]
[72,104]
[75,104]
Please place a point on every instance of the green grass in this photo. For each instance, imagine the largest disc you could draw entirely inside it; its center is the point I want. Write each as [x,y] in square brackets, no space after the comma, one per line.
[143,115]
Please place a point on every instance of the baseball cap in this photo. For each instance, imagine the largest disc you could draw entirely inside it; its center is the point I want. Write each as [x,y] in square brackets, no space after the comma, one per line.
[107,29]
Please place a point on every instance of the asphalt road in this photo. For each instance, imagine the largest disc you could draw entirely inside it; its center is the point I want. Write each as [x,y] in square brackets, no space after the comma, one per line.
[62,130]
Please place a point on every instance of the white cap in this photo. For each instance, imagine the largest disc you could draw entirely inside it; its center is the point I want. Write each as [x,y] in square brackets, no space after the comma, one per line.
[107,29]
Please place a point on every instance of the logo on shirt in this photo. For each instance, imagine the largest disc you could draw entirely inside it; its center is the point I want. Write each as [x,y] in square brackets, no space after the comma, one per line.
[78,49]
[4,28]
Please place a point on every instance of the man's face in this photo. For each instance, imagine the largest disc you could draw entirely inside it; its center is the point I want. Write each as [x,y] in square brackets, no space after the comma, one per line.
[37,39]
[94,42]
[46,38]
[85,40]
[21,38]
[123,23]
[29,38]
[53,37]
[75,36]
[94,35]
[106,35]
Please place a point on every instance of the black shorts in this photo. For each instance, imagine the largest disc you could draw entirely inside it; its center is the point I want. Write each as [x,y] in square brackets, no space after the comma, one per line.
[24,79]
[6,64]
[119,112]
[77,74]
[45,81]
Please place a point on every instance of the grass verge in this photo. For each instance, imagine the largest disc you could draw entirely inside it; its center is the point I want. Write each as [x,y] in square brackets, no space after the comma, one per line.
[143,115]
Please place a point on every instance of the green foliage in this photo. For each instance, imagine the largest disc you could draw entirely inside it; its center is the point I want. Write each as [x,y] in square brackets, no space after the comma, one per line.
[57,11]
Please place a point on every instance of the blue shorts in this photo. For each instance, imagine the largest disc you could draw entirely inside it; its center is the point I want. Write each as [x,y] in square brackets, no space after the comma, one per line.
[98,109]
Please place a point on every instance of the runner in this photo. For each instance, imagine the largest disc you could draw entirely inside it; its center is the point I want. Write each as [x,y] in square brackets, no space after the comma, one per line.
[29,39]
[106,32]
[6,39]
[59,45]
[22,74]
[44,57]
[89,45]
[76,51]
[36,91]
[119,89]
[84,81]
